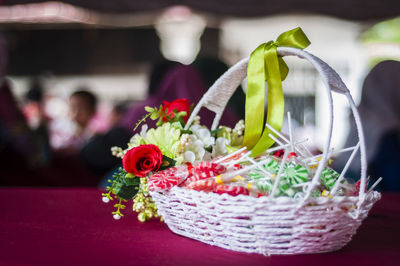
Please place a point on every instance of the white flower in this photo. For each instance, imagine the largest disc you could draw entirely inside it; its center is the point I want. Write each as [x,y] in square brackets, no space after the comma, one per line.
[202,134]
[220,147]
[194,151]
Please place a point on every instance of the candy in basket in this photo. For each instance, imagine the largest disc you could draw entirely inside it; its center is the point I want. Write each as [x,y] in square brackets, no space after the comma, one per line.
[250,188]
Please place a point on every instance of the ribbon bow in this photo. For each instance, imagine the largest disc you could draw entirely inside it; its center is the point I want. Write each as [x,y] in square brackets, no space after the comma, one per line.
[265,65]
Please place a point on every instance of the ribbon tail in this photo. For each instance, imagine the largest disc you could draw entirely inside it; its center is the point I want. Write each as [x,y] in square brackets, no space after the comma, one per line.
[275,102]
[283,68]
[255,96]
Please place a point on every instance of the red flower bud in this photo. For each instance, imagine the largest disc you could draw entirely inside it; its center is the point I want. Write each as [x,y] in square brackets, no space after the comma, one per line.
[179,105]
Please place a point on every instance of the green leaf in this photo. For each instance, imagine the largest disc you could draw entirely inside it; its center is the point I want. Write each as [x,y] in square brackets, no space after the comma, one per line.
[131,181]
[167,163]
[126,192]
[154,116]
[148,109]
[188,131]
[181,114]
[216,131]
[159,122]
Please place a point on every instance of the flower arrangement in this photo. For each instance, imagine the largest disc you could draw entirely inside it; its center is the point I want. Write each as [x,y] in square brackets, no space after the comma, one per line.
[158,149]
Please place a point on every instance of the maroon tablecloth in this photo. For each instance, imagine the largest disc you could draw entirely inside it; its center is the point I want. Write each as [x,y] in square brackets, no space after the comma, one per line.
[73,227]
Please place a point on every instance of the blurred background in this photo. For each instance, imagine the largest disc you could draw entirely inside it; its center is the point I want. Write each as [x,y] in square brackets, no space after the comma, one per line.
[122,52]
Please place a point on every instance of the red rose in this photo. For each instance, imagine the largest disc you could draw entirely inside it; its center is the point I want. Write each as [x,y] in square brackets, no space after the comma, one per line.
[142,159]
[179,105]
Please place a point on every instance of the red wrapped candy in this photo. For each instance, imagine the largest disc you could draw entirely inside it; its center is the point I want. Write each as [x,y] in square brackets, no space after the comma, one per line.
[231,190]
[205,170]
[206,185]
[166,179]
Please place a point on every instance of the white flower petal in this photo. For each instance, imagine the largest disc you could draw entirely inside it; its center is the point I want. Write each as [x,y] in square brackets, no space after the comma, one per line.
[189,156]
[200,154]
[193,138]
[195,128]
[203,133]
[198,143]
[143,131]
[208,141]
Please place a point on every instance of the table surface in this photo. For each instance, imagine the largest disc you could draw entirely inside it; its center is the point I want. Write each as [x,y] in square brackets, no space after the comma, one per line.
[73,227]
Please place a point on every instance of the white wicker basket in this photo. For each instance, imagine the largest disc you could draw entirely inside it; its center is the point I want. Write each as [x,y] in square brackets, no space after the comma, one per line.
[269,225]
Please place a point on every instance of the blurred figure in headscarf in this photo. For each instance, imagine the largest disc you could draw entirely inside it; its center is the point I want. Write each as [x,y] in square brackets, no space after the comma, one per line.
[380,114]
[176,81]
[211,68]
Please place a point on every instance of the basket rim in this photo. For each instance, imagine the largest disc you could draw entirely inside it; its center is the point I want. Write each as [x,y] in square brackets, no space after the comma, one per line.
[371,196]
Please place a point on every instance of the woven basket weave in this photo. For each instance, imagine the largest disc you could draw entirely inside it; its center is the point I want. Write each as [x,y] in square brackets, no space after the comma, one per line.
[269,225]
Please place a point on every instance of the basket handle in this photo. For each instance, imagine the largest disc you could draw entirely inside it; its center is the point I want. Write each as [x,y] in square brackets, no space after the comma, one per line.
[217,97]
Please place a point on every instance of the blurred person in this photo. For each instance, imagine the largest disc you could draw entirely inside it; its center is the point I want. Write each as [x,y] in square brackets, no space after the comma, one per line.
[70,134]
[178,81]
[158,72]
[33,107]
[19,145]
[135,111]
[96,153]
[380,114]
[117,113]
[30,147]
[211,68]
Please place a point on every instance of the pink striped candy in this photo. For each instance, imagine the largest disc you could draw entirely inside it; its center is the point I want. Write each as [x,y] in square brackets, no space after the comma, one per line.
[231,190]
[206,185]
[205,170]
[168,178]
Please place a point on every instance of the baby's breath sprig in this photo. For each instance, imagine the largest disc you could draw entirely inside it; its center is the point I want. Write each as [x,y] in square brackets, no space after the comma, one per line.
[119,206]
[144,204]
[115,184]
[117,152]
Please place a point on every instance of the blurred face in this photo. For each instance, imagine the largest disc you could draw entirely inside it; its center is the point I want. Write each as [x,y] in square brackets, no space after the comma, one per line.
[80,110]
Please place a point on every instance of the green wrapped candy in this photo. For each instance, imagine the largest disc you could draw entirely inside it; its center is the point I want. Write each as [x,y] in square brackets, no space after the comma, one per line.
[272,167]
[316,194]
[286,189]
[329,177]
[263,185]
[295,173]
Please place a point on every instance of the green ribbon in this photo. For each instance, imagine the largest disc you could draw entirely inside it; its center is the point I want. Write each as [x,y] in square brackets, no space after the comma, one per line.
[265,65]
